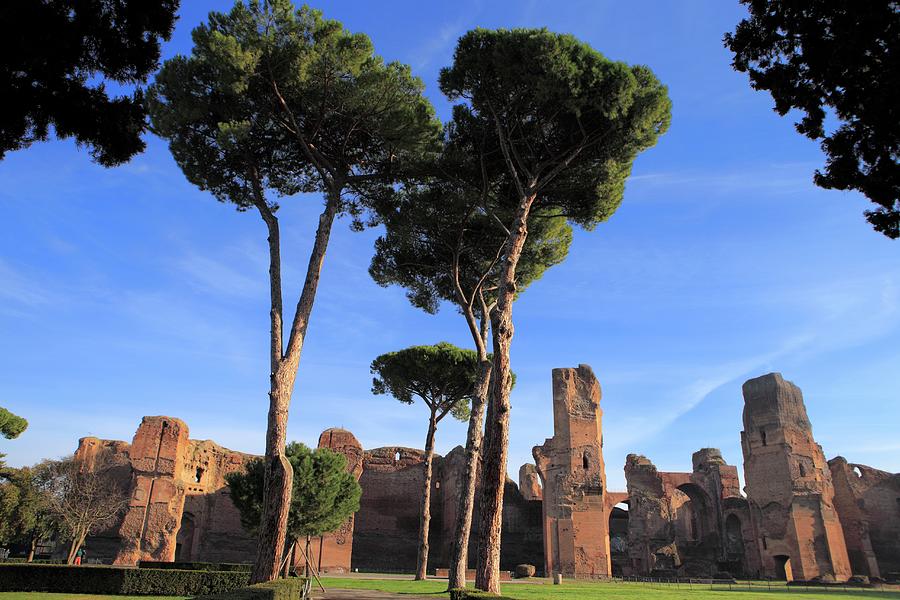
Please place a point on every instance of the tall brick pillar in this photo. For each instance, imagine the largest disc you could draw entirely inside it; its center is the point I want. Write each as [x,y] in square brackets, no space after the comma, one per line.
[153,516]
[570,464]
[789,485]
[332,551]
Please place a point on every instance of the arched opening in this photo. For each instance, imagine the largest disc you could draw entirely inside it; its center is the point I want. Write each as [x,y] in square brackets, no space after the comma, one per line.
[762,436]
[584,461]
[198,476]
[397,456]
[802,470]
[618,539]
[783,568]
[734,537]
[693,516]
[184,540]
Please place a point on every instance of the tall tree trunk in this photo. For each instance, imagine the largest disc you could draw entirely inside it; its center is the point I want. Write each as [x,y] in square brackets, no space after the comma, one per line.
[73,548]
[496,443]
[32,548]
[466,492]
[77,542]
[284,365]
[425,513]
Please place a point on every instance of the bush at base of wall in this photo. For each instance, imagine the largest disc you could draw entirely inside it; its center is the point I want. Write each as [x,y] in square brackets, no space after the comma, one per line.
[280,589]
[195,566]
[117,580]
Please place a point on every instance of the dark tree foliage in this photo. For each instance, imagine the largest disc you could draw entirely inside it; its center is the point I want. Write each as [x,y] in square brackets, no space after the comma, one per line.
[442,375]
[834,58]
[58,56]
[569,124]
[324,493]
[11,425]
[276,100]
[446,227]
[25,507]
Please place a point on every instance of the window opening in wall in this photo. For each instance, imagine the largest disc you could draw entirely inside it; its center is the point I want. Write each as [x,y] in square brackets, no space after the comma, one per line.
[765,545]
[584,460]
[802,470]
[762,434]
[199,475]
[437,485]
[857,472]
[397,456]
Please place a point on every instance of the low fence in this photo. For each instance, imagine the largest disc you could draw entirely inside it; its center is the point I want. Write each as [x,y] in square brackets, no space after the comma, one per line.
[742,585]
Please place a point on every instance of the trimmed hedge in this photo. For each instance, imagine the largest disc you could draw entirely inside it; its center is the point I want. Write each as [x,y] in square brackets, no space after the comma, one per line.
[460,594]
[195,566]
[280,589]
[36,561]
[118,580]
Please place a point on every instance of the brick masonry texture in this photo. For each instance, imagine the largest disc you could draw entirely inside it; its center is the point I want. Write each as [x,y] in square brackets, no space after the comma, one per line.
[799,517]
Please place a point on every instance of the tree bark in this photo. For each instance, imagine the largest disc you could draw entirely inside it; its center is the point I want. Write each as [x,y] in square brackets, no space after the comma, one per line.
[284,365]
[32,548]
[496,444]
[77,542]
[425,513]
[466,493]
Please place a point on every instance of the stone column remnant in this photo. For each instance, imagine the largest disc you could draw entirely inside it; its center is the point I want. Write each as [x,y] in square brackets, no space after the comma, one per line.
[789,485]
[530,482]
[332,551]
[151,522]
[570,464]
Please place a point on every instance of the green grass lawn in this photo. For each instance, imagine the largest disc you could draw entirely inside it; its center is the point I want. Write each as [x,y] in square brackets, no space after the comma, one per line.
[577,590]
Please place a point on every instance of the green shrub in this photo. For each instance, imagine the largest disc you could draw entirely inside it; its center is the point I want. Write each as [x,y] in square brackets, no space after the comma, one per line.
[118,580]
[460,594]
[195,566]
[280,589]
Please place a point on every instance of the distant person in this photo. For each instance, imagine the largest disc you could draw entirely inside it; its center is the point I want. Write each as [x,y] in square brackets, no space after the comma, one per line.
[79,555]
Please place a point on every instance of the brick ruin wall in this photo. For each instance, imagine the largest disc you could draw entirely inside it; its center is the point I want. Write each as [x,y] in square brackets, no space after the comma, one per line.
[789,485]
[687,524]
[868,504]
[180,508]
[572,471]
[801,518]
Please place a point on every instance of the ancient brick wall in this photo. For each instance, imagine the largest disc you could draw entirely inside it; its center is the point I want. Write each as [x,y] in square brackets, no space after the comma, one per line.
[211,528]
[687,524]
[576,515]
[179,508]
[112,456]
[153,516]
[789,485]
[868,504]
[387,525]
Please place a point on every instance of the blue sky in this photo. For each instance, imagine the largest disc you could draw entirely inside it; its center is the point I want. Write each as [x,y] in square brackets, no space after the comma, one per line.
[127,292]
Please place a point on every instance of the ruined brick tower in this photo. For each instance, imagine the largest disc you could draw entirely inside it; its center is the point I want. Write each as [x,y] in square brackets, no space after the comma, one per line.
[789,485]
[153,517]
[570,464]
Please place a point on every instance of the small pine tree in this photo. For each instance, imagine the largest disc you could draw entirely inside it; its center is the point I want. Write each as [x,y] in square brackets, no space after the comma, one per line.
[323,496]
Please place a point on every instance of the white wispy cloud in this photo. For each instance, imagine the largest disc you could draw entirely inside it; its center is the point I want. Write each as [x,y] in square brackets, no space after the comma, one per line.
[19,292]
[220,277]
[776,179]
[849,314]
